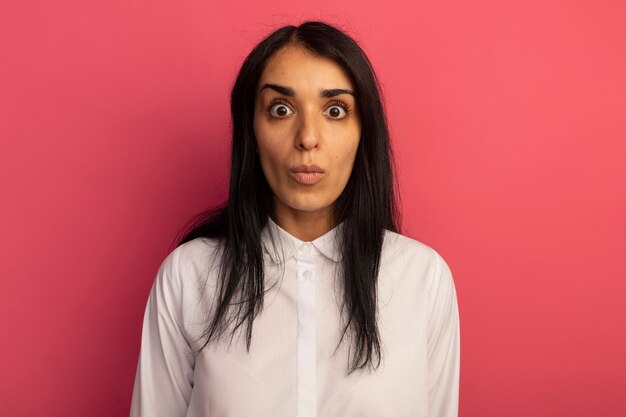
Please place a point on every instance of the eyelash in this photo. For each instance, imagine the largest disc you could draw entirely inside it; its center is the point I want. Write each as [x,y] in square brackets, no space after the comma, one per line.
[341,104]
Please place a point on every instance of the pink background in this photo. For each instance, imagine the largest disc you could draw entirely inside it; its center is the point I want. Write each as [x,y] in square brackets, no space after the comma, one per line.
[509,124]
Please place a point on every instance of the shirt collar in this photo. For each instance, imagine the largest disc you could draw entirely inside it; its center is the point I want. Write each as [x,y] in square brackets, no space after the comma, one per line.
[281,245]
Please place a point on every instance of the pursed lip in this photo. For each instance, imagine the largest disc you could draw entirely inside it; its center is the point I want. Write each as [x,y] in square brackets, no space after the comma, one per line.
[307,174]
[307,168]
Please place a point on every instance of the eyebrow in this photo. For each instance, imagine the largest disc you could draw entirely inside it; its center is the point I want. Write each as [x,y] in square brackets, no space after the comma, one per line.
[288,91]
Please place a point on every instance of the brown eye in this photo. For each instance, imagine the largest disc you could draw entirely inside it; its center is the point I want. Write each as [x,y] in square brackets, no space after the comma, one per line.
[337,111]
[279,110]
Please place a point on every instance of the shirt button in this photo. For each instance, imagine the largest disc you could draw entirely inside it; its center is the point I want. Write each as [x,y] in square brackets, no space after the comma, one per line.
[307,274]
[306,248]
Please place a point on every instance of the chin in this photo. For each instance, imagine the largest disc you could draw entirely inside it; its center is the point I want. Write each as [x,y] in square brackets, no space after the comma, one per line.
[305,203]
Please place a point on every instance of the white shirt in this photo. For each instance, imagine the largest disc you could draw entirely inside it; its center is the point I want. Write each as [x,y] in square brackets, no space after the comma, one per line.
[290,370]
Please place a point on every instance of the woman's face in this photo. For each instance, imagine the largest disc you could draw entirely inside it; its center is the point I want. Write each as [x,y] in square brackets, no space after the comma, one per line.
[307,131]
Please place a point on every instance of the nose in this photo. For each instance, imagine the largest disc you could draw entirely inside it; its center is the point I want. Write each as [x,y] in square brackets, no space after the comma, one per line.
[308,131]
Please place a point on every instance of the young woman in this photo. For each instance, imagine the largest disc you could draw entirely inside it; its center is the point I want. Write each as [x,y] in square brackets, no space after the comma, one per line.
[298,297]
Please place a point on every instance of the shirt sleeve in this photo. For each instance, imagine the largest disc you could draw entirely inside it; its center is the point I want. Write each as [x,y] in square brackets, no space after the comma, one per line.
[443,344]
[164,378]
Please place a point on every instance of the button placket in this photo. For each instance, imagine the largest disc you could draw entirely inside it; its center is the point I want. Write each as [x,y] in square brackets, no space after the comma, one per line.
[306,335]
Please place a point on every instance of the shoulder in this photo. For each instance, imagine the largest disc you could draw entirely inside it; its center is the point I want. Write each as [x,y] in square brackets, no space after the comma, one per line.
[403,253]
[396,245]
[178,291]
[190,260]
[198,249]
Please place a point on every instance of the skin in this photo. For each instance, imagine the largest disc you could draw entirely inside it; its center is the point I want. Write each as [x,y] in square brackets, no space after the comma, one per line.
[305,129]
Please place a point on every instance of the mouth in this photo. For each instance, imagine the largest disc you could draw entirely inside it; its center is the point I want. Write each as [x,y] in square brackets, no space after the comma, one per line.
[307,174]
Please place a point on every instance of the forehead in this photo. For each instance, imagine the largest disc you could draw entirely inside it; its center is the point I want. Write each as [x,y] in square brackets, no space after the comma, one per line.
[296,67]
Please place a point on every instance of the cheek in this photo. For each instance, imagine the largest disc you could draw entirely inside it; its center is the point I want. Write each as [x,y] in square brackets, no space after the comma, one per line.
[268,161]
[265,143]
[345,156]
[271,141]
[344,163]
[272,158]
[272,151]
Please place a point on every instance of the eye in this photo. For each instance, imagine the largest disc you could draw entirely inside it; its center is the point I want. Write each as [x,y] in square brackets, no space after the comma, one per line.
[279,109]
[338,111]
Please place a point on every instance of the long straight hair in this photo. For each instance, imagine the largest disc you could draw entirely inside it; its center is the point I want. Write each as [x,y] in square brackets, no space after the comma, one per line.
[366,207]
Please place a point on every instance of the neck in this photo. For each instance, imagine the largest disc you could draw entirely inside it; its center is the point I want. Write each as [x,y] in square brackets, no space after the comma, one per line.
[304,225]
